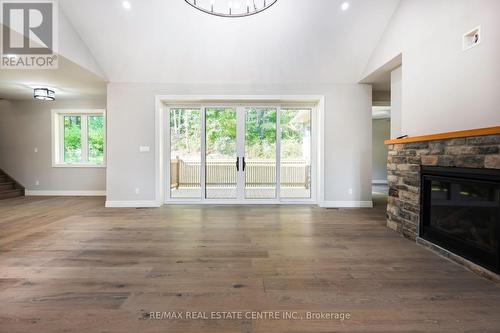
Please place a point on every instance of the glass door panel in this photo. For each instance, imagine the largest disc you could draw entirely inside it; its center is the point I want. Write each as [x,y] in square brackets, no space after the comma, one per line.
[72,139]
[221,153]
[260,153]
[185,153]
[295,168]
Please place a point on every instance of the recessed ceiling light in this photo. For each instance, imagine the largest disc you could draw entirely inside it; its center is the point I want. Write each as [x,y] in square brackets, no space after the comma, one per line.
[126,5]
[345,6]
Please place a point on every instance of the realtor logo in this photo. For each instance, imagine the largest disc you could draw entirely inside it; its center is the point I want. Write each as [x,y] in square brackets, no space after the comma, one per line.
[29,39]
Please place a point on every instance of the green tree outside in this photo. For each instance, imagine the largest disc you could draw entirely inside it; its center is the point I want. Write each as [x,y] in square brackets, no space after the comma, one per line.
[73,139]
[260,136]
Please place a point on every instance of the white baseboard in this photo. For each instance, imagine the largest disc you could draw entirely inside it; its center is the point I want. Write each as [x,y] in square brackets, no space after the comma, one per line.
[132,204]
[346,204]
[66,193]
[379,182]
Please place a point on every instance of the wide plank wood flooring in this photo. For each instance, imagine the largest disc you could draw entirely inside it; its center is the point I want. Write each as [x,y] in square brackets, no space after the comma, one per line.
[70,265]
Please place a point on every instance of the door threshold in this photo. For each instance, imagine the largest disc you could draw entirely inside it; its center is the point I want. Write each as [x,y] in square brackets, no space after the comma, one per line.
[240,203]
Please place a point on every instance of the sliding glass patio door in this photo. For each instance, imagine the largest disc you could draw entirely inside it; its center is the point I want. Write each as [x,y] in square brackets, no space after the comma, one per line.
[185,145]
[239,154]
[221,153]
[259,160]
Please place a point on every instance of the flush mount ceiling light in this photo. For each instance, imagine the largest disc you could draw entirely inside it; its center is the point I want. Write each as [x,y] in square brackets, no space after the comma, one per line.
[44,94]
[231,8]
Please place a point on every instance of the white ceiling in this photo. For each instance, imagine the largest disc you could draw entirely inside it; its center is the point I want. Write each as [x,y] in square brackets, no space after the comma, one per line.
[69,81]
[381,78]
[381,81]
[295,41]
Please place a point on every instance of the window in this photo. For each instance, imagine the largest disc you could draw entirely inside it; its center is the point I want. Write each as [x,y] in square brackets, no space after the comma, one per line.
[79,138]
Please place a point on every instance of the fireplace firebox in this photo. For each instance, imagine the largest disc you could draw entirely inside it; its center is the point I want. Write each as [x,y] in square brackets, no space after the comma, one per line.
[460,212]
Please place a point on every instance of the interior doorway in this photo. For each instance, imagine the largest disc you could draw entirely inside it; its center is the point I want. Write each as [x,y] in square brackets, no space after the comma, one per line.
[381,131]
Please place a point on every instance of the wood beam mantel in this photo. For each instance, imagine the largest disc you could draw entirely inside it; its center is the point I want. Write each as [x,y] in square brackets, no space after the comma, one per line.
[447,135]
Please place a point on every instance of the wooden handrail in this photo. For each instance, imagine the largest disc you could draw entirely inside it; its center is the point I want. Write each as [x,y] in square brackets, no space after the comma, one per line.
[447,135]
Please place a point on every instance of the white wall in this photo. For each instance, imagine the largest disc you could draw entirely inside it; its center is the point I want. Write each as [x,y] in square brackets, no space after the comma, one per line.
[443,87]
[131,123]
[26,125]
[396,102]
[381,132]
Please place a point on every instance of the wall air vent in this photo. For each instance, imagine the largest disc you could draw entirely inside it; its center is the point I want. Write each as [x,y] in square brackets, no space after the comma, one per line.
[472,38]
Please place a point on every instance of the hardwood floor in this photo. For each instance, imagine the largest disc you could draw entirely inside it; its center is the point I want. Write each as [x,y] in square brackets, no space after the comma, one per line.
[70,265]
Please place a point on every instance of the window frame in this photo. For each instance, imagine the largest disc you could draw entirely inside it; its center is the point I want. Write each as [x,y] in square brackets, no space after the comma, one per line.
[58,137]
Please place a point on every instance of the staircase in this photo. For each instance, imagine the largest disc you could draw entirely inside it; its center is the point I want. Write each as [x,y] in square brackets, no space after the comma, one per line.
[9,188]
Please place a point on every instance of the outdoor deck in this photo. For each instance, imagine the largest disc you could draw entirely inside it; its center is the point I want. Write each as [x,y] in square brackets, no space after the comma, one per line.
[250,193]
[221,179]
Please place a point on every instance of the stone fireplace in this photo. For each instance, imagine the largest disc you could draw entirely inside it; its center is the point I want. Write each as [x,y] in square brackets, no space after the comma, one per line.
[467,150]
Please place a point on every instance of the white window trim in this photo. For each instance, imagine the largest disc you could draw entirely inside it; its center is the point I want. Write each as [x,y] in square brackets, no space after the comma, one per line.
[57,129]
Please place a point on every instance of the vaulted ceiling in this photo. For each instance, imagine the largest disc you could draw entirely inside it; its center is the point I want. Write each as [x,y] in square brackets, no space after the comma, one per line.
[295,41]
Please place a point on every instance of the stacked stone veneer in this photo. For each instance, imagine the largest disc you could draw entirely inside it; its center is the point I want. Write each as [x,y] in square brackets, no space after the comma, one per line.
[405,160]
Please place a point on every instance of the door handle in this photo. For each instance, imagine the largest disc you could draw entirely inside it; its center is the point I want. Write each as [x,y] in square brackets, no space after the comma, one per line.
[244,164]
[237,164]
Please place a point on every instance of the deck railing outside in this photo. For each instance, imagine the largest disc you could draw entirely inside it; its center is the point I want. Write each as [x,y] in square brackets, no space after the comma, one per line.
[185,173]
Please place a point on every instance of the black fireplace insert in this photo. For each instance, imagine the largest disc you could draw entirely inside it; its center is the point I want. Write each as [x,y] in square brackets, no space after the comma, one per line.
[460,212]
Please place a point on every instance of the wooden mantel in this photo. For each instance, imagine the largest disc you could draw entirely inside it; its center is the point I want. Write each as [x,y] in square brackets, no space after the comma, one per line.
[448,135]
